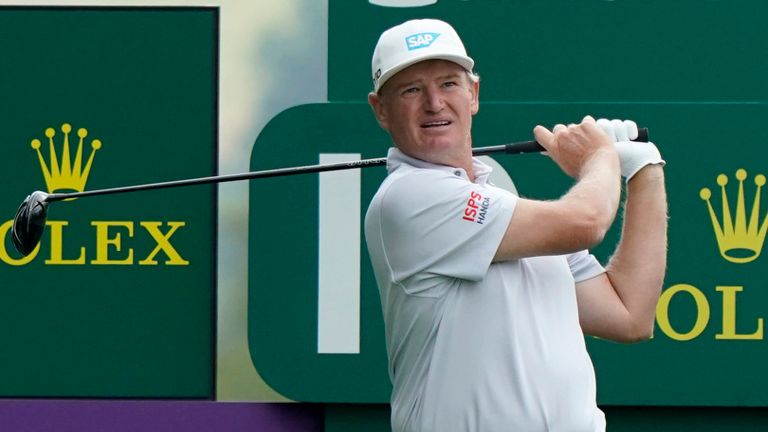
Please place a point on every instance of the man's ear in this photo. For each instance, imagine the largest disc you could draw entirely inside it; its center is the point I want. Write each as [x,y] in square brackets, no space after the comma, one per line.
[374,100]
[475,90]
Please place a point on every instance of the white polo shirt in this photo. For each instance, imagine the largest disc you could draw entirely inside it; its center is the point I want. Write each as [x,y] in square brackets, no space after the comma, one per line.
[474,345]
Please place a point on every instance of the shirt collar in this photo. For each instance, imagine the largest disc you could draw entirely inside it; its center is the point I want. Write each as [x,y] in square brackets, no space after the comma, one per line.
[396,159]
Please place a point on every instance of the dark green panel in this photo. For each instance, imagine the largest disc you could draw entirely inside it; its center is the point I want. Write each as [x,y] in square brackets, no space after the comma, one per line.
[698,141]
[357,417]
[375,418]
[555,50]
[673,419]
[143,82]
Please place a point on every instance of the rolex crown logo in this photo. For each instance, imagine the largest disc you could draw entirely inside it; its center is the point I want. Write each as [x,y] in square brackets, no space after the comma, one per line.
[739,241]
[64,174]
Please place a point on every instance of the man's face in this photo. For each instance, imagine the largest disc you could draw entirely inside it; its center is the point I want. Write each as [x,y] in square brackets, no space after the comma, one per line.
[427,108]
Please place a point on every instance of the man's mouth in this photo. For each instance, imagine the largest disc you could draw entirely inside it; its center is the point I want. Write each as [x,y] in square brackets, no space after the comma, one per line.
[438,123]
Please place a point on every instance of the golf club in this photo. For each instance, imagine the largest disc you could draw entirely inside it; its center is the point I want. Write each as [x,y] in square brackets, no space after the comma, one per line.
[29,222]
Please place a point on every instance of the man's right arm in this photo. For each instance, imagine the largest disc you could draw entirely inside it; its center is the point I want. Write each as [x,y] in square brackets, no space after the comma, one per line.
[580,218]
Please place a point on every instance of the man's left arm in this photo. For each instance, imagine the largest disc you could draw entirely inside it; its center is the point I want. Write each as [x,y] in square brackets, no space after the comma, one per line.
[620,304]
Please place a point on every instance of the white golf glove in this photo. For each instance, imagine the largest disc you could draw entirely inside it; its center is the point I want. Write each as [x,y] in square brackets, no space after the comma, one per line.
[632,155]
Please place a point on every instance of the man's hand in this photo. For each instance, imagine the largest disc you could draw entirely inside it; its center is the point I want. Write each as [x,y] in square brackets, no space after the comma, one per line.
[575,147]
[633,155]
[580,218]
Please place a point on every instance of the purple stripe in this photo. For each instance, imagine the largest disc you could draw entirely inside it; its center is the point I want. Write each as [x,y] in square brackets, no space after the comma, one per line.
[156,416]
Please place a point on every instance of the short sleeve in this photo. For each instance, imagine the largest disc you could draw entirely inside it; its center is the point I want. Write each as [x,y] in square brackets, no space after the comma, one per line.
[584,266]
[437,223]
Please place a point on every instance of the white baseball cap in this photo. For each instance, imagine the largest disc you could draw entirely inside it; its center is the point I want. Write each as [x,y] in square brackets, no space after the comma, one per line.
[414,41]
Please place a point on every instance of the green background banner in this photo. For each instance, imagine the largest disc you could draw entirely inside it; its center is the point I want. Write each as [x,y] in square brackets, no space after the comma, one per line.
[119,299]
[702,330]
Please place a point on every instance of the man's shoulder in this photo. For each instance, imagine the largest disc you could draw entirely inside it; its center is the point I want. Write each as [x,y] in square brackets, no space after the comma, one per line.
[415,178]
[417,185]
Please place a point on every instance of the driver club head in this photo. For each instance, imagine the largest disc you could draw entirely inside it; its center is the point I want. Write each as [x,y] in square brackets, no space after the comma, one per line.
[29,222]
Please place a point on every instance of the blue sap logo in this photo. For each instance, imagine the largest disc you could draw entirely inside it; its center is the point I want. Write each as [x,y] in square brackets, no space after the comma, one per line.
[420,40]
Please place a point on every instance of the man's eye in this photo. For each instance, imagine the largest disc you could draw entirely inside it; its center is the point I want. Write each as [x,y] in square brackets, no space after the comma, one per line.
[411,90]
[450,84]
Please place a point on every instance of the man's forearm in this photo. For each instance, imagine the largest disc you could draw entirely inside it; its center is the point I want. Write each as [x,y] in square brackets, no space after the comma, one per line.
[597,191]
[637,267]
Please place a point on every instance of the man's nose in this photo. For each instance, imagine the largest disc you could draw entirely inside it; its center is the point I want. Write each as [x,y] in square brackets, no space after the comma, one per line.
[433,100]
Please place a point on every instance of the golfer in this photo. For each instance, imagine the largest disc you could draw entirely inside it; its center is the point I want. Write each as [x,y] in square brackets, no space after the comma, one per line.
[486,295]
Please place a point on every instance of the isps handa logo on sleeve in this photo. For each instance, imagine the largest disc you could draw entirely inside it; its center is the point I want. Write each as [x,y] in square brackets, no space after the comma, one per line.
[66,165]
[738,230]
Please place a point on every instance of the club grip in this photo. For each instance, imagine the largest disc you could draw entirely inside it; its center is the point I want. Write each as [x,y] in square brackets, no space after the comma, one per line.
[642,135]
[535,147]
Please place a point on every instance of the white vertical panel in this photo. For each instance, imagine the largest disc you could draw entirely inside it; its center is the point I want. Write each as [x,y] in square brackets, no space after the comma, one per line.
[338,318]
